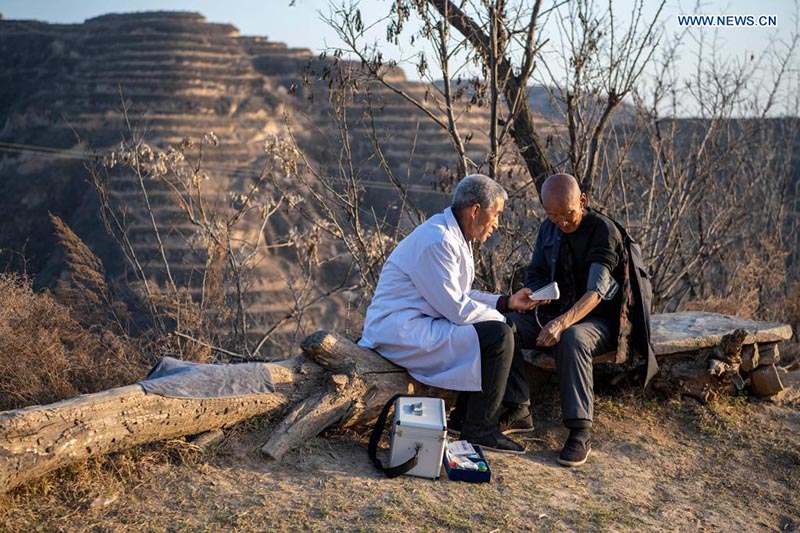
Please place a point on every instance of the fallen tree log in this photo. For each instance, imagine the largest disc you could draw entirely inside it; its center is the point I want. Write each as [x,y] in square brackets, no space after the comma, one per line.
[38,439]
[360,384]
[337,383]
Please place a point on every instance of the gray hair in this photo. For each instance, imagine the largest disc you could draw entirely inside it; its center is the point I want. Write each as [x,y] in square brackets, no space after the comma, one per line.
[477,189]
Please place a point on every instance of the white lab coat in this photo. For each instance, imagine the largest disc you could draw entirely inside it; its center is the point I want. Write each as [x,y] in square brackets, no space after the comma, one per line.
[423,306]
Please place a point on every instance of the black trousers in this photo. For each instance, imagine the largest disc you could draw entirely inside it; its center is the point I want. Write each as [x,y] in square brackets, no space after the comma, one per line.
[502,379]
[573,355]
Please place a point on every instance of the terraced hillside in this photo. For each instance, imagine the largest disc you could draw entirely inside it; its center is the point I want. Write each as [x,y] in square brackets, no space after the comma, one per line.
[181,76]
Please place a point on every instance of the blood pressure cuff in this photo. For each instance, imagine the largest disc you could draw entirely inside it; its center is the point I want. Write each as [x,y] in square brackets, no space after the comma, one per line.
[601,282]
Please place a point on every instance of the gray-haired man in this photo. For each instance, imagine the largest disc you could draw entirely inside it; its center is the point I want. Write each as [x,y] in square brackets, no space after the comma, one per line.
[425,317]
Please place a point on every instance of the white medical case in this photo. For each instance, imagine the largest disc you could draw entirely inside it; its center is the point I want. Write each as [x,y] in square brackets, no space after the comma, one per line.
[419,422]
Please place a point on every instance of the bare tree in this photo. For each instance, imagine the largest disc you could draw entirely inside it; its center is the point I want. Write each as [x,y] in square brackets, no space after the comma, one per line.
[220,235]
[333,205]
[708,197]
[503,39]
[599,64]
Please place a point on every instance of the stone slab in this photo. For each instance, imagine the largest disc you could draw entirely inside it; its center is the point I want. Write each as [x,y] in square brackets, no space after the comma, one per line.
[693,330]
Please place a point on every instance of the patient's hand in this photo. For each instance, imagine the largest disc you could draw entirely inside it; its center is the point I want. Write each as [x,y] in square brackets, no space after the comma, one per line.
[551,333]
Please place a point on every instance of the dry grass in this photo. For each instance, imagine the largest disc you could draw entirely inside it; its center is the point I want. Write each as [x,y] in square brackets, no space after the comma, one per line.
[85,290]
[757,286]
[46,355]
[76,341]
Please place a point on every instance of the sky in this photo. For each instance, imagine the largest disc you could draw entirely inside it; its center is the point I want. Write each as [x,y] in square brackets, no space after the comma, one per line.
[299,24]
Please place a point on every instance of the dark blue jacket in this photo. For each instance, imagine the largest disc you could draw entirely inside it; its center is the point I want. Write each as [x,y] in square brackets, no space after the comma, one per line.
[542,268]
[637,293]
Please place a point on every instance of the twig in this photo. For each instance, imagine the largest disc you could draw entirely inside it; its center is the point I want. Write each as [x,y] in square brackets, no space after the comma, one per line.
[221,350]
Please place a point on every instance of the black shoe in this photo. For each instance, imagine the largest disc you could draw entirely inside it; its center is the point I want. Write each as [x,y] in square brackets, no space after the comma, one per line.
[516,419]
[575,452]
[497,442]
[454,425]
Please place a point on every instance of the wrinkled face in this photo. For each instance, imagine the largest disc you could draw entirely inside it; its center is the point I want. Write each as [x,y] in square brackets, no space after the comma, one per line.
[484,221]
[565,210]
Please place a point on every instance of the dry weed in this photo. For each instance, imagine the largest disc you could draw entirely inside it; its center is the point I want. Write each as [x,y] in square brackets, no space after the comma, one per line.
[84,290]
[755,286]
[188,317]
[46,355]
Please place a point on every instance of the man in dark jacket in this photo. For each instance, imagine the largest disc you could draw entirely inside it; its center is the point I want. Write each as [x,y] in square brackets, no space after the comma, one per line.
[583,251]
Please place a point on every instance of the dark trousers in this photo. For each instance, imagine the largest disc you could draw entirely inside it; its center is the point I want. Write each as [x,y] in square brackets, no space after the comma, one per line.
[573,354]
[499,362]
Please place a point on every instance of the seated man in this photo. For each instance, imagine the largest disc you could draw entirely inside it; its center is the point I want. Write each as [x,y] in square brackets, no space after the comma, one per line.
[583,251]
[425,317]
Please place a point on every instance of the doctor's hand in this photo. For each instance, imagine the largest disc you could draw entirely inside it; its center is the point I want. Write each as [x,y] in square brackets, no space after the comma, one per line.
[521,301]
[551,333]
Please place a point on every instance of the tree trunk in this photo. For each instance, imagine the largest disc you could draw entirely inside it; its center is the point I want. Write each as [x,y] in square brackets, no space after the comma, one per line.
[523,130]
[38,439]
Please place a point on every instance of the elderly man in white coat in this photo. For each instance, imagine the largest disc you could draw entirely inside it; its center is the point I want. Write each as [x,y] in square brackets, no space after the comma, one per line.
[425,317]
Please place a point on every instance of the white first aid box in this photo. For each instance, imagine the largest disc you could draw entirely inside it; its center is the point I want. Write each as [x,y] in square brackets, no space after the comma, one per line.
[419,423]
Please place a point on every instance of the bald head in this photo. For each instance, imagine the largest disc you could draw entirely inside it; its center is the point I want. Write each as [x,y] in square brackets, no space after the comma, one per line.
[563,201]
[561,187]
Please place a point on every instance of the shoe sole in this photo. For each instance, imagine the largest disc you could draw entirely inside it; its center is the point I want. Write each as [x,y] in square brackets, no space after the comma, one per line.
[564,462]
[499,450]
[457,433]
[517,430]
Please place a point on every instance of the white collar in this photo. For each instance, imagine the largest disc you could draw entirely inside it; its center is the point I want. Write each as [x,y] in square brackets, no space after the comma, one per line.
[452,225]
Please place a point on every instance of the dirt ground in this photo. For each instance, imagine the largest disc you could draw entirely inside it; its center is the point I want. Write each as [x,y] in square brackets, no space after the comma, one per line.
[657,464]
